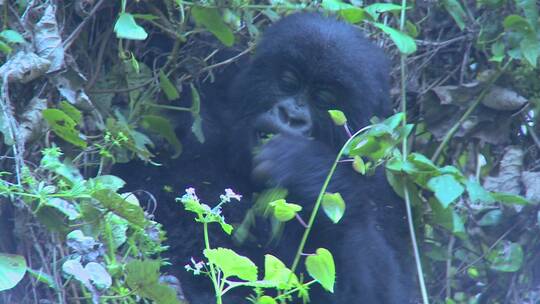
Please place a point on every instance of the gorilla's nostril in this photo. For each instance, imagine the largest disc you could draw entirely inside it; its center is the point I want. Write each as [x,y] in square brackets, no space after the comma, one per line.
[297,123]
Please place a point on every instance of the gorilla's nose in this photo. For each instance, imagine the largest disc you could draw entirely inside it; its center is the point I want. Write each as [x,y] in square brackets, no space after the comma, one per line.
[291,116]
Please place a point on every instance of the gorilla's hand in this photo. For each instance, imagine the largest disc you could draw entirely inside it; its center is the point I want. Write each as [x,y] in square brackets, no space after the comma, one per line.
[297,163]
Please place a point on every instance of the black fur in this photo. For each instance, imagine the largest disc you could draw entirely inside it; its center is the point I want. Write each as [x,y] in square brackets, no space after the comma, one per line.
[370,244]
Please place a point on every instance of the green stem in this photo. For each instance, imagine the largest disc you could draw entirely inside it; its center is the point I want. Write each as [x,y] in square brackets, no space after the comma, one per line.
[217,287]
[319,201]
[404,151]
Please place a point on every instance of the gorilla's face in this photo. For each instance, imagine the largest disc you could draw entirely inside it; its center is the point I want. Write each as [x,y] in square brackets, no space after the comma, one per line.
[296,76]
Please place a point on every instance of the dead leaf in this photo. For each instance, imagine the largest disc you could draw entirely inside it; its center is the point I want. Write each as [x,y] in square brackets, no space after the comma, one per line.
[509,177]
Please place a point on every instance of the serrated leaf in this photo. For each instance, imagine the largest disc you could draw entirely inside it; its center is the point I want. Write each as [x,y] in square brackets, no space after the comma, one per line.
[232,264]
[349,12]
[12,270]
[338,117]
[127,28]
[143,278]
[321,267]
[284,211]
[277,273]
[404,42]
[211,19]
[334,206]
[446,188]
[168,87]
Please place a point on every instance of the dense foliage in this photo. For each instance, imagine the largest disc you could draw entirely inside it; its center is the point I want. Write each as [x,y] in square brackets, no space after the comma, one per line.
[89,84]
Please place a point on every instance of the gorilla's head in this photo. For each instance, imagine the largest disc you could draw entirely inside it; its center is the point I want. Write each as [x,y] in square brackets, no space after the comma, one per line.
[305,65]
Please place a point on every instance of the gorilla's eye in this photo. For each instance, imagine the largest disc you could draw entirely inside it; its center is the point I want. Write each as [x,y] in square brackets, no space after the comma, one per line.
[325,97]
[289,82]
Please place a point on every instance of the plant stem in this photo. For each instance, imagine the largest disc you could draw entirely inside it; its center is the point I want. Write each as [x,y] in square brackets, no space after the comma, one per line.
[217,287]
[319,201]
[404,150]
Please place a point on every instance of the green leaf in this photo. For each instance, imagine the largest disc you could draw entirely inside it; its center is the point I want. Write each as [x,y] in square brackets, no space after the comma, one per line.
[348,12]
[447,218]
[508,198]
[334,206]
[359,165]
[5,48]
[446,188]
[111,182]
[71,111]
[456,11]
[266,300]
[168,87]
[530,48]
[376,9]
[477,193]
[277,273]
[164,128]
[530,8]
[64,126]
[142,277]
[127,28]
[516,23]
[497,49]
[506,257]
[321,267]
[491,218]
[211,19]
[11,36]
[118,229]
[12,270]
[65,207]
[284,211]
[404,42]
[232,264]
[338,117]
[121,206]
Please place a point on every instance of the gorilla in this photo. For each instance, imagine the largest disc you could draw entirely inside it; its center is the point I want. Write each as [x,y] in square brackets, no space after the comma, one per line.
[304,65]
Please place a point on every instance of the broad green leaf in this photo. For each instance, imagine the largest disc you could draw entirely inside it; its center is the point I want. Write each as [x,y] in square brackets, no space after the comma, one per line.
[359,165]
[12,270]
[506,257]
[530,48]
[516,23]
[211,19]
[127,28]
[446,188]
[497,49]
[277,273]
[284,211]
[491,218]
[99,275]
[321,267]
[508,198]
[111,182]
[11,36]
[477,193]
[266,300]
[165,129]
[338,117]
[422,163]
[232,264]
[118,229]
[404,42]
[349,12]
[65,207]
[447,218]
[530,8]
[334,206]
[142,277]
[456,11]
[71,111]
[64,126]
[376,9]
[168,87]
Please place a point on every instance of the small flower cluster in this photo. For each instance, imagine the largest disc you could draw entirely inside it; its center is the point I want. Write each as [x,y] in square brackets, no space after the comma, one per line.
[195,267]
